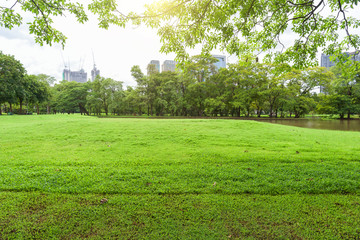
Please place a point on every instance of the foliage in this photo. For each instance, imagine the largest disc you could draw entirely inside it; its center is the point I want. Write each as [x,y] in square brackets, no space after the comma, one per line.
[41,26]
[105,93]
[12,75]
[238,27]
[247,88]
[17,87]
[70,97]
[38,89]
[243,27]
[343,95]
[301,84]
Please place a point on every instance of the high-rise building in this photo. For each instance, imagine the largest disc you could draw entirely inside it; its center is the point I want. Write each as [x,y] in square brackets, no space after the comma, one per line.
[326,62]
[75,76]
[355,56]
[221,63]
[154,65]
[94,72]
[168,65]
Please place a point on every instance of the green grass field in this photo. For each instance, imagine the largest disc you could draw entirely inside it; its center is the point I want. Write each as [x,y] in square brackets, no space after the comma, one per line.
[175,179]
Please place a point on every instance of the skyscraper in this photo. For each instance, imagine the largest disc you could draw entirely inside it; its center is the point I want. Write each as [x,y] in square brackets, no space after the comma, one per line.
[154,65]
[168,65]
[326,62]
[75,76]
[94,72]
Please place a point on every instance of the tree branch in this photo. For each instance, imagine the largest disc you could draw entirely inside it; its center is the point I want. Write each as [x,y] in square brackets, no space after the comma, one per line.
[346,23]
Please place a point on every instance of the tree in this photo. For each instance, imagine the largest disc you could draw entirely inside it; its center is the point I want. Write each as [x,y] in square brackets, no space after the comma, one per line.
[301,84]
[43,11]
[246,83]
[38,90]
[49,81]
[235,26]
[12,75]
[143,87]
[240,27]
[197,71]
[117,103]
[133,101]
[216,101]
[70,97]
[104,92]
[168,93]
[335,103]
[276,91]
[343,93]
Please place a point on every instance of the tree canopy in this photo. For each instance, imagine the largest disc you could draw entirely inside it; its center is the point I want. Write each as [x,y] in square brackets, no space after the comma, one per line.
[12,75]
[43,12]
[238,27]
[247,88]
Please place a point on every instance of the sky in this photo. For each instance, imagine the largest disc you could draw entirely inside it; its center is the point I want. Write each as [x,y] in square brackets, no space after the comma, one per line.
[115,50]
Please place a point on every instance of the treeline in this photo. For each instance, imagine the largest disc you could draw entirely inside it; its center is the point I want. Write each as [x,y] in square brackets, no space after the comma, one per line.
[18,88]
[247,89]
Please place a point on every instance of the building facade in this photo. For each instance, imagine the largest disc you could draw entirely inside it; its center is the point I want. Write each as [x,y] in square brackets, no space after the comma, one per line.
[154,65]
[168,66]
[221,63]
[355,56]
[75,76]
[326,62]
[94,72]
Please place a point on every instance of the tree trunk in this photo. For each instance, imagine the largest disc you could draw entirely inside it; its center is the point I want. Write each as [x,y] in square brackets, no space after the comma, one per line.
[37,109]
[106,110]
[282,114]
[0,110]
[21,103]
[248,112]
[348,115]
[83,110]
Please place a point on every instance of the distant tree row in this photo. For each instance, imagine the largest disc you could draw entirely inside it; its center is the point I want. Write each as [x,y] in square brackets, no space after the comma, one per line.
[246,89]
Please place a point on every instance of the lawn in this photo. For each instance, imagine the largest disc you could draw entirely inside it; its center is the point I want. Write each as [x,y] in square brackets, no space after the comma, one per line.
[71,176]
